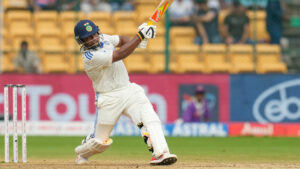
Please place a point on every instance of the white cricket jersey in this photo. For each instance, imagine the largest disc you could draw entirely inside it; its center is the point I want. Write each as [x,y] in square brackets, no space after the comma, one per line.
[105,74]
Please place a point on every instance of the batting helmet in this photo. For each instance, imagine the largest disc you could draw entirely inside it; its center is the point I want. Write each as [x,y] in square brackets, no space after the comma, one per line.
[84,29]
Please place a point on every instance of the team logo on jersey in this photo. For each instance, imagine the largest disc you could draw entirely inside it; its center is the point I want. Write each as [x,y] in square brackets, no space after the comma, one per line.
[88,27]
[88,55]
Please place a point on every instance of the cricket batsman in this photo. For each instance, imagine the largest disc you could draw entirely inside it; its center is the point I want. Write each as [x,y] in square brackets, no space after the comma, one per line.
[115,94]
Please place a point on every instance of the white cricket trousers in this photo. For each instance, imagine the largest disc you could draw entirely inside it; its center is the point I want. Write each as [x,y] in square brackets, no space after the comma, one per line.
[130,101]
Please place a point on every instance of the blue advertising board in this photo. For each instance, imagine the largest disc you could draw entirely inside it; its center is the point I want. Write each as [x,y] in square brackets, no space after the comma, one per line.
[125,127]
[265,98]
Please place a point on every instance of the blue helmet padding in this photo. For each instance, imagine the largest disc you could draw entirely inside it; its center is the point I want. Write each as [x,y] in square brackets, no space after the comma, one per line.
[81,31]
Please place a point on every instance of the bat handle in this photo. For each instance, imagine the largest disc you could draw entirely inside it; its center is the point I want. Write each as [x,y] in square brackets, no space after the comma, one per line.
[150,23]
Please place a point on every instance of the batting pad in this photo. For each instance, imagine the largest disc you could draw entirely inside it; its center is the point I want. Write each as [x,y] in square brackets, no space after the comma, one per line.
[157,137]
[92,146]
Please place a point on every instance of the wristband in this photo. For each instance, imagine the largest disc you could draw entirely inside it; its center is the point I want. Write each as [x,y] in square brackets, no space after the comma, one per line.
[140,35]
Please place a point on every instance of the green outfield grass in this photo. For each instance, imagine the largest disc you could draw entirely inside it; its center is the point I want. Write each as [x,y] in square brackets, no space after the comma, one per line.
[229,149]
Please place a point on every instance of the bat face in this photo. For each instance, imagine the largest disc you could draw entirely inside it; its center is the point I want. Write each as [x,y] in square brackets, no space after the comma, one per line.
[160,10]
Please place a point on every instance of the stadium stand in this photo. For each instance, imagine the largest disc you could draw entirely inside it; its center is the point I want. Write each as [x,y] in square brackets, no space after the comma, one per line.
[14,4]
[156,49]
[137,62]
[125,23]
[55,62]
[269,59]
[214,57]
[241,58]
[50,33]
[44,20]
[17,19]
[103,19]
[182,42]
[7,55]
[258,25]
[189,63]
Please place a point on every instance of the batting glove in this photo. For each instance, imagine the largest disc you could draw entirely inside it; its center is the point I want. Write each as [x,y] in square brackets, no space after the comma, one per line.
[144,42]
[147,32]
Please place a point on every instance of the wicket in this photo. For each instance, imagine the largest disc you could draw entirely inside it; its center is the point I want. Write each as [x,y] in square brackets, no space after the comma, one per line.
[15,122]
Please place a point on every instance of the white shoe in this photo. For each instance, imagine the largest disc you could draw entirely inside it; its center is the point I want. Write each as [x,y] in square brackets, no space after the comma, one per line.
[165,159]
[81,160]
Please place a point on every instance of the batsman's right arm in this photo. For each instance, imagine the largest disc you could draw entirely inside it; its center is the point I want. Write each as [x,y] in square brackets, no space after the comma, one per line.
[128,47]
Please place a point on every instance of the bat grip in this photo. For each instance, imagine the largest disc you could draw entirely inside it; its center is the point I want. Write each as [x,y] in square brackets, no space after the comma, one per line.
[150,23]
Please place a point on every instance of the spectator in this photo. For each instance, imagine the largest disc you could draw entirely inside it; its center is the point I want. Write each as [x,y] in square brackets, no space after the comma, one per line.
[274,18]
[181,12]
[206,21]
[39,5]
[123,5]
[70,5]
[27,61]
[236,25]
[197,109]
[95,5]
[215,4]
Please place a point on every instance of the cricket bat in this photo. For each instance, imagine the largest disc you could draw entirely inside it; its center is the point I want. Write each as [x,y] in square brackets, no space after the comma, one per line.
[159,11]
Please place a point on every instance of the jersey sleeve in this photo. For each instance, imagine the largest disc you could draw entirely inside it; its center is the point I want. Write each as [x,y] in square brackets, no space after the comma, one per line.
[114,39]
[97,59]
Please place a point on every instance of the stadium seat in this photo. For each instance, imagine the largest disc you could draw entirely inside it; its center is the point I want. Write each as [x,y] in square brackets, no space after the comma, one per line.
[137,63]
[70,44]
[241,58]
[46,20]
[75,62]
[182,39]
[258,25]
[50,41]
[157,44]
[7,64]
[14,4]
[5,41]
[214,57]
[55,62]
[157,63]
[268,59]
[19,35]
[156,49]
[181,43]
[103,20]
[67,18]
[125,23]
[146,7]
[6,60]
[18,19]
[189,63]
[80,67]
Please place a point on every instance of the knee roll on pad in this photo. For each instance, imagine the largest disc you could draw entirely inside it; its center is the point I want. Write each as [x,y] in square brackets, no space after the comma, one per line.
[92,146]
